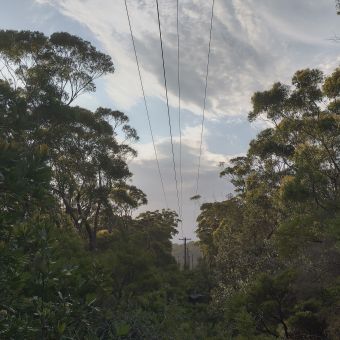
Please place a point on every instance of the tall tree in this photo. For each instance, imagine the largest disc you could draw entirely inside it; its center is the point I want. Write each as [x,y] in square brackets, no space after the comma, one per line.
[86,159]
[285,216]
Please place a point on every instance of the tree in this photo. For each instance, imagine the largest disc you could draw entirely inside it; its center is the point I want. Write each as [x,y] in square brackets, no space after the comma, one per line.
[285,213]
[156,229]
[89,166]
[87,162]
[54,69]
[24,173]
[64,190]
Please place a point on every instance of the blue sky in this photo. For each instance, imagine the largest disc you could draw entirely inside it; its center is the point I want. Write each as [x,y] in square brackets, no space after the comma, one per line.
[254,43]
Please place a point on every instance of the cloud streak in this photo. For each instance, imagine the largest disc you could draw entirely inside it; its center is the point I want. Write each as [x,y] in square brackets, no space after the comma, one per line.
[254,43]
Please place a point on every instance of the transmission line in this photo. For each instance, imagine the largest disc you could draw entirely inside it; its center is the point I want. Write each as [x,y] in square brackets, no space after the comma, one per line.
[205,96]
[168,108]
[145,103]
[179,110]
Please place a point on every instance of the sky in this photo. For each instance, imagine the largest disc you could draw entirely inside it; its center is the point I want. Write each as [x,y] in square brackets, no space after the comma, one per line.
[254,44]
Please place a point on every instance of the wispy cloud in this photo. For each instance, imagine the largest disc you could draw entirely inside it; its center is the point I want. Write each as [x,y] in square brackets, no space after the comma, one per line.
[254,43]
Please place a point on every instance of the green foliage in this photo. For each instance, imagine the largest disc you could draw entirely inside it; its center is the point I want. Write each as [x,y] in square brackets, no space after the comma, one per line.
[77,263]
[74,262]
[273,249]
[52,69]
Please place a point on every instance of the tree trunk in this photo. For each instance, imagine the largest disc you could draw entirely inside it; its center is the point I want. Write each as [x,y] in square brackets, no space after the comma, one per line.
[92,237]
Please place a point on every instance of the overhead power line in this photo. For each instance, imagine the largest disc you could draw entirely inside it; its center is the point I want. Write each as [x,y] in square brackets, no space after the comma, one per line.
[179,110]
[168,108]
[205,97]
[146,106]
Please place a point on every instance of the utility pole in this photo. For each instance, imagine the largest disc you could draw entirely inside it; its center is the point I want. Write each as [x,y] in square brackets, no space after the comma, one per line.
[185,266]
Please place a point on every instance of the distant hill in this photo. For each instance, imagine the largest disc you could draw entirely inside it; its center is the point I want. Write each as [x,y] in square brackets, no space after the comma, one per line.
[194,253]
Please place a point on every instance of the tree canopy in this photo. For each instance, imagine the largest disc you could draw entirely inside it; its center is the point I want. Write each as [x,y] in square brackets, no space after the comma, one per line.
[74,260]
[77,259]
[273,246]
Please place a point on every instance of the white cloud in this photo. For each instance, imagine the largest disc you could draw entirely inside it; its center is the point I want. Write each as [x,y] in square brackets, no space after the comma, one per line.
[211,187]
[190,145]
[254,43]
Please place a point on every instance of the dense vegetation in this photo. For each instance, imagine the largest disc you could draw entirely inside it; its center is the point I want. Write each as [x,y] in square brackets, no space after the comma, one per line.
[76,264]
[273,248]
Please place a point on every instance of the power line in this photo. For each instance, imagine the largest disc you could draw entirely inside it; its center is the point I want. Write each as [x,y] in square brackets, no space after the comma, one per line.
[205,96]
[179,111]
[146,106]
[167,104]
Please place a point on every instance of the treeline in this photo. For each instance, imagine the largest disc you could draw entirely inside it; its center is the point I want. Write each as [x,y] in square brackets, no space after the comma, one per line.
[74,263]
[273,248]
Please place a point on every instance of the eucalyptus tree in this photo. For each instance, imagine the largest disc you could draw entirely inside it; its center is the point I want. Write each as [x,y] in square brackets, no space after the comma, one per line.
[284,218]
[87,151]
[51,69]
